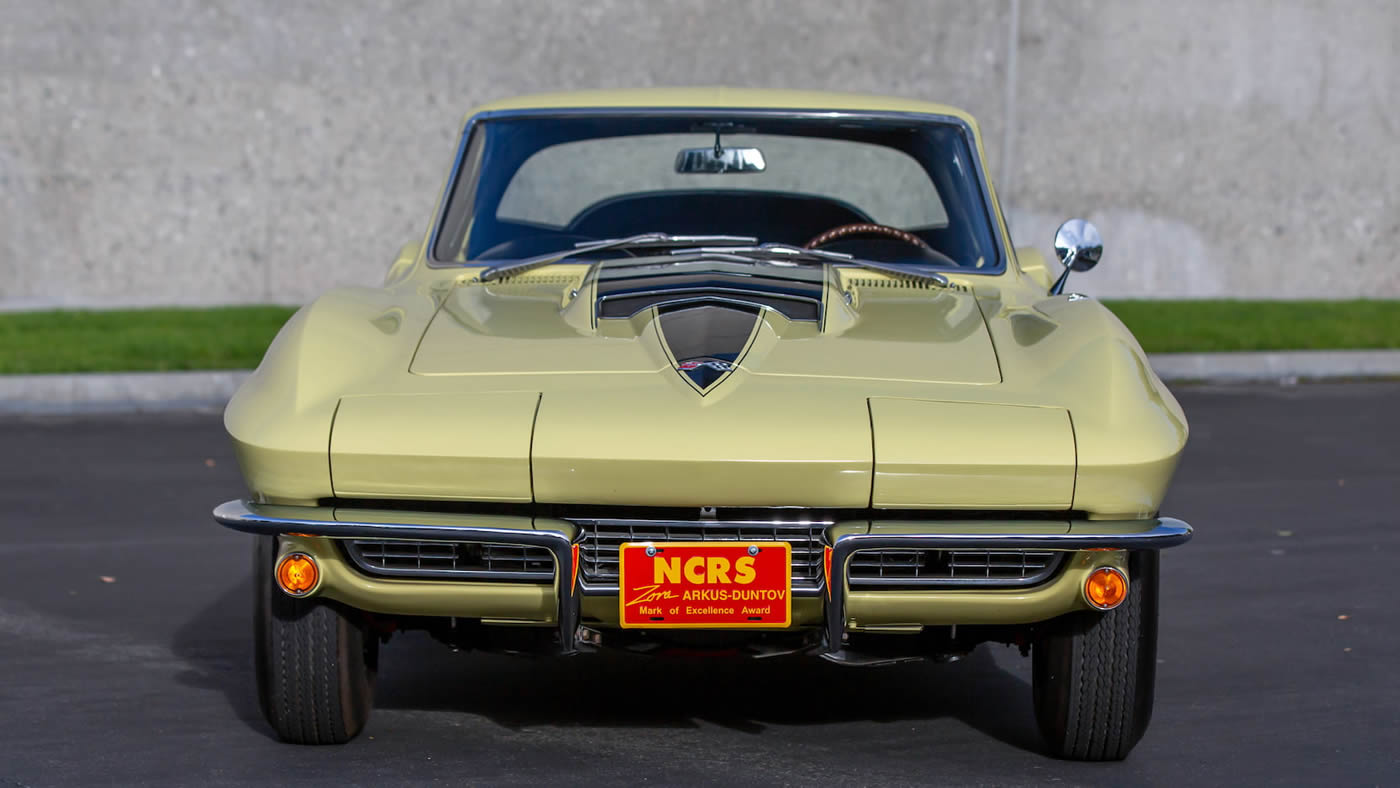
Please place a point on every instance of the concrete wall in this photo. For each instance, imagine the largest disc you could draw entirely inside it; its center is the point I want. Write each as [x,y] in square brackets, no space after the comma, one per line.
[156,152]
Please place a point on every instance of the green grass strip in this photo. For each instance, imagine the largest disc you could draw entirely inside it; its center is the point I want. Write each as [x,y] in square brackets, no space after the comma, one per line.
[235,337]
[137,339]
[1222,326]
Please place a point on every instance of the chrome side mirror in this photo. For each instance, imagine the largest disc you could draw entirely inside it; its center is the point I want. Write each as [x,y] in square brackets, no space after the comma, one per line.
[1079,247]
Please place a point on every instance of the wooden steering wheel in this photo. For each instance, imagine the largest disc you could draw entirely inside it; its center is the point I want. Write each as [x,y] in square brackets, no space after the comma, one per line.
[866,228]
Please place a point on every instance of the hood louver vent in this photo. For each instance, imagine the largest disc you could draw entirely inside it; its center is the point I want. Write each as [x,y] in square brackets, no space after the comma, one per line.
[796,293]
[903,284]
[528,280]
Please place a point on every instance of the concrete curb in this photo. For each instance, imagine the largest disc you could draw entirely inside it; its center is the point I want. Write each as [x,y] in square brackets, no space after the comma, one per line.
[1281,367]
[118,392]
[157,391]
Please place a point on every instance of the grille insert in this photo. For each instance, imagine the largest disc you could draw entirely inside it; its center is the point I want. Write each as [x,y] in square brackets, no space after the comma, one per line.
[598,549]
[452,560]
[951,568]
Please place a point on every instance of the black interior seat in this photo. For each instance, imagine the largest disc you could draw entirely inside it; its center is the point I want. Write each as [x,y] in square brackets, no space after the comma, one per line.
[780,217]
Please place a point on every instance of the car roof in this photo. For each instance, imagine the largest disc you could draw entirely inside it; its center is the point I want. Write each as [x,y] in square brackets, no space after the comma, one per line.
[722,98]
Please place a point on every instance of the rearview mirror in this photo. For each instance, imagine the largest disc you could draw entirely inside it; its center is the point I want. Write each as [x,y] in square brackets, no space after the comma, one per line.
[691,161]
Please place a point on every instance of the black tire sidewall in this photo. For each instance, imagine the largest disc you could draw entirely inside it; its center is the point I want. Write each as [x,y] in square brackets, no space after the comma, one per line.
[264,553]
[280,622]
[1058,654]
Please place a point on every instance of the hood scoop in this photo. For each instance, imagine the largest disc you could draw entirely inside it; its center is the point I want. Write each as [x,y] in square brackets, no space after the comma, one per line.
[705,340]
[796,293]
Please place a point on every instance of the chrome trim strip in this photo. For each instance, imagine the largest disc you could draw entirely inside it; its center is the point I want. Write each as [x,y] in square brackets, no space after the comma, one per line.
[430,252]
[1156,534]
[1000,240]
[245,516]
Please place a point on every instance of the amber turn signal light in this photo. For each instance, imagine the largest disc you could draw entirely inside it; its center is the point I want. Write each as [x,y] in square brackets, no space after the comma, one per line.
[297,573]
[1106,587]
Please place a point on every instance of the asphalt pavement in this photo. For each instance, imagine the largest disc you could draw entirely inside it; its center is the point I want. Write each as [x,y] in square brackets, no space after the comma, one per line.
[125,652]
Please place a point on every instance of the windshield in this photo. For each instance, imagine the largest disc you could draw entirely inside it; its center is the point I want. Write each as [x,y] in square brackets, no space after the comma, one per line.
[532,185]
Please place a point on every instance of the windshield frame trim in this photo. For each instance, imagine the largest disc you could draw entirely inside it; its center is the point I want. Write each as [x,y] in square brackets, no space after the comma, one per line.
[1000,238]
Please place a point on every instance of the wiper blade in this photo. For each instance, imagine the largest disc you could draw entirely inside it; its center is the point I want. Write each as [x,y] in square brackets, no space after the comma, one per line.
[792,255]
[644,239]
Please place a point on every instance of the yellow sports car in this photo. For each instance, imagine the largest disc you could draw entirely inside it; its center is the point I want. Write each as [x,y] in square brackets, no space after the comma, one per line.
[712,371]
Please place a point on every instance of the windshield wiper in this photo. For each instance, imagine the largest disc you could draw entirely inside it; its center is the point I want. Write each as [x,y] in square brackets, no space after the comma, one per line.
[787,254]
[645,239]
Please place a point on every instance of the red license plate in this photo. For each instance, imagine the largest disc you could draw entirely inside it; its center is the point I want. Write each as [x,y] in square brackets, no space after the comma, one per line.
[705,585]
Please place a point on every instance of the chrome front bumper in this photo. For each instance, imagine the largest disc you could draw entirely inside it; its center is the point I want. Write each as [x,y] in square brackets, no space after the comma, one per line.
[561,539]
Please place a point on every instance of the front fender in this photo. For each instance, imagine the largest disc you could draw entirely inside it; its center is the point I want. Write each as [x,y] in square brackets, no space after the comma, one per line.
[280,418]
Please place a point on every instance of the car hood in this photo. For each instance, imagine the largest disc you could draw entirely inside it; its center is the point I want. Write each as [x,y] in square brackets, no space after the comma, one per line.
[730,393]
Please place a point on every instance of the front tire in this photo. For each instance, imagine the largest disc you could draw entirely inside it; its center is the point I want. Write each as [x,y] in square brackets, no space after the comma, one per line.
[1095,673]
[315,662]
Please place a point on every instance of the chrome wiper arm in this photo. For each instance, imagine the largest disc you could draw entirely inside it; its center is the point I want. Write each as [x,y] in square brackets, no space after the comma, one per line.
[777,253]
[644,239]
[768,252]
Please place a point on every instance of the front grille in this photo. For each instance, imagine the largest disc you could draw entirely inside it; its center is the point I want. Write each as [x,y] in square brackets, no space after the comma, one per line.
[601,539]
[452,560]
[934,568]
